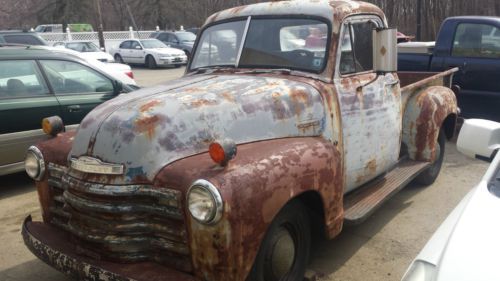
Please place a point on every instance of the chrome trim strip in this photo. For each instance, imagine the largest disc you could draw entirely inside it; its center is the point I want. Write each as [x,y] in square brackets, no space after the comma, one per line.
[95,166]
[166,196]
[85,205]
[41,162]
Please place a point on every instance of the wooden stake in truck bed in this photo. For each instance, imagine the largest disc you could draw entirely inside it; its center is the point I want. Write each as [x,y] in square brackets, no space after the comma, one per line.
[291,116]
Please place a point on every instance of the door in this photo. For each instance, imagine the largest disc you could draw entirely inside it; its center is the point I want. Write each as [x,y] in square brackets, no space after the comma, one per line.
[137,53]
[77,87]
[124,51]
[370,105]
[173,41]
[476,50]
[25,100]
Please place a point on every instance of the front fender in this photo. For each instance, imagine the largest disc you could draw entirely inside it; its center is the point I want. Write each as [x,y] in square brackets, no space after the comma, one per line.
[423,117]
[254,186]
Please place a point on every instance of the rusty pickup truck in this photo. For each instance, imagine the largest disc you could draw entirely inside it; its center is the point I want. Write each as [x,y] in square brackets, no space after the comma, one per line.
[291,117]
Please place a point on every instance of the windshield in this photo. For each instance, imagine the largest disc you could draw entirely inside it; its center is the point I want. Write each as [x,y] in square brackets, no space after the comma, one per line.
[186,36]
[151,44]
[83,47]
[291,43]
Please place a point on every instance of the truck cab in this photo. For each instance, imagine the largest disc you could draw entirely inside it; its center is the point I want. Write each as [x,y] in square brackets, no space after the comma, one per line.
[290,117]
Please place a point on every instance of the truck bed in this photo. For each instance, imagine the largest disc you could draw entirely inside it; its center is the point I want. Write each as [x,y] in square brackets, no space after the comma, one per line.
[411,80]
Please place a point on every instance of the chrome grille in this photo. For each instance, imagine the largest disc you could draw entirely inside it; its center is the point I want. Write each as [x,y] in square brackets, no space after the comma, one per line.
[127,223]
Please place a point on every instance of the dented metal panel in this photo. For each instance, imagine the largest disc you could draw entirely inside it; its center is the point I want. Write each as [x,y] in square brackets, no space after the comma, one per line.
[147,133]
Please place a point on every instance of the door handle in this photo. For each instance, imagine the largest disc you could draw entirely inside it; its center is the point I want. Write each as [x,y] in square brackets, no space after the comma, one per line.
[74,108]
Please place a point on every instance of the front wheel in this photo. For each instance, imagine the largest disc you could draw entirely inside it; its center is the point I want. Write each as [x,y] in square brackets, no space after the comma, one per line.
[150,62]
[428,176]
[284,252]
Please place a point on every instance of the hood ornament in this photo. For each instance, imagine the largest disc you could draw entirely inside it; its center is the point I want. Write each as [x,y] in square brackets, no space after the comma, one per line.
[95,166]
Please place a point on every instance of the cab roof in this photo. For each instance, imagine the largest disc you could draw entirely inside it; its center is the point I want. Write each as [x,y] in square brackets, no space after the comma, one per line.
[334,11]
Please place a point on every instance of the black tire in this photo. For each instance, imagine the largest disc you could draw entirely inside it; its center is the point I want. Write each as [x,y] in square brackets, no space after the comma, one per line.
[177,65]
[284,252]
[119,59]
[150,62]
[429,175]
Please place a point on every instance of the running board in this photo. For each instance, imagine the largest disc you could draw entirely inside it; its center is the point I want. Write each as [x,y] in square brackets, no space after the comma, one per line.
[360,204]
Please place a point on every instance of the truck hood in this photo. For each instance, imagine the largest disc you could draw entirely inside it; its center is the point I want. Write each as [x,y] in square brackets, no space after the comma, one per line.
[150,128]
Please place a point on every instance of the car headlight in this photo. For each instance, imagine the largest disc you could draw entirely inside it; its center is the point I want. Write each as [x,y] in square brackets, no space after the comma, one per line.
[420,271]
[34,163]
[204,202]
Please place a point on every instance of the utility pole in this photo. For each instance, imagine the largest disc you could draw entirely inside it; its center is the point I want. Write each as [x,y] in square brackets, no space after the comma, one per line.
[419,20]
[100,26]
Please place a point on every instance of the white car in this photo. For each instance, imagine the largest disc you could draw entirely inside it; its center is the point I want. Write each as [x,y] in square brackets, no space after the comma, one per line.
[87,49]
[466,246]
[120,71]
[151,52]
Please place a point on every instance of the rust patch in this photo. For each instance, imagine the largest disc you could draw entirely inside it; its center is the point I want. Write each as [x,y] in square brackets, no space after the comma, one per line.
[147,124]
[228,97]
[149,105]
[203,102]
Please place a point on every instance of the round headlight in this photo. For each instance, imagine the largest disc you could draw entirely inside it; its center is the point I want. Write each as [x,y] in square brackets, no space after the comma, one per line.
[204,202]
[34,163]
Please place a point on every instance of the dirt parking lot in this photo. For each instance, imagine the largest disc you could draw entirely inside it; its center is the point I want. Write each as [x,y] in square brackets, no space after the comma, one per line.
[379,249]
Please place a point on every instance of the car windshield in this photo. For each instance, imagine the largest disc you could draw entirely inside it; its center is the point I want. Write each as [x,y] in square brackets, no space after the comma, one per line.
[152,44]
[83,47]
[290,43]
[186,36]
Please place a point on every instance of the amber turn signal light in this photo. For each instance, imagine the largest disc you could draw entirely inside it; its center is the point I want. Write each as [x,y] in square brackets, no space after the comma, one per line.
[52,125]
[222,152]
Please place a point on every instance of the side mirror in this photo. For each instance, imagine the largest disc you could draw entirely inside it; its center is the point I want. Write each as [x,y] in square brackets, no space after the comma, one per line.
[479,138]
[385,52]
[138,47]
[175,41]
[117,87]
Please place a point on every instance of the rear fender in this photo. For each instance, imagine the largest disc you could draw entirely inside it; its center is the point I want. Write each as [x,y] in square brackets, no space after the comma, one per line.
[425,113]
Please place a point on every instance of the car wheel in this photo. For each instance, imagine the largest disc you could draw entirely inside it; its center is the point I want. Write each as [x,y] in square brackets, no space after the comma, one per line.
[429,175]
[150,62]
[177,65]
[284,252]
[119,59]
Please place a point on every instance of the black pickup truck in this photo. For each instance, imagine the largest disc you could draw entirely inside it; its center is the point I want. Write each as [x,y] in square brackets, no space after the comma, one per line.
[472,44]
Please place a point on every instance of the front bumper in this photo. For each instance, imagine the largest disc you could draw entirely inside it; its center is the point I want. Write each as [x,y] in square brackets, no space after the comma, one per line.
[173,61]
[54,247]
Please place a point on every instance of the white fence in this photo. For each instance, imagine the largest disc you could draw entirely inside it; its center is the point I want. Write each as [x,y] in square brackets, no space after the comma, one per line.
[111,38]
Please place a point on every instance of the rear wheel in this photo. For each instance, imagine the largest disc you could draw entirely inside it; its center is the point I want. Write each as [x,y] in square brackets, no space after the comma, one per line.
[284,252]
[150,62]
[430,175]
[119,58]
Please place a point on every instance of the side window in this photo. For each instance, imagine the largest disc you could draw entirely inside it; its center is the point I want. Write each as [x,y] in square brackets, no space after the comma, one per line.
[356,47]
[21,78]
[170,38]
[22,39]
[73,78]
[162,37]
[134,44]
[125,45]
[476,40]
